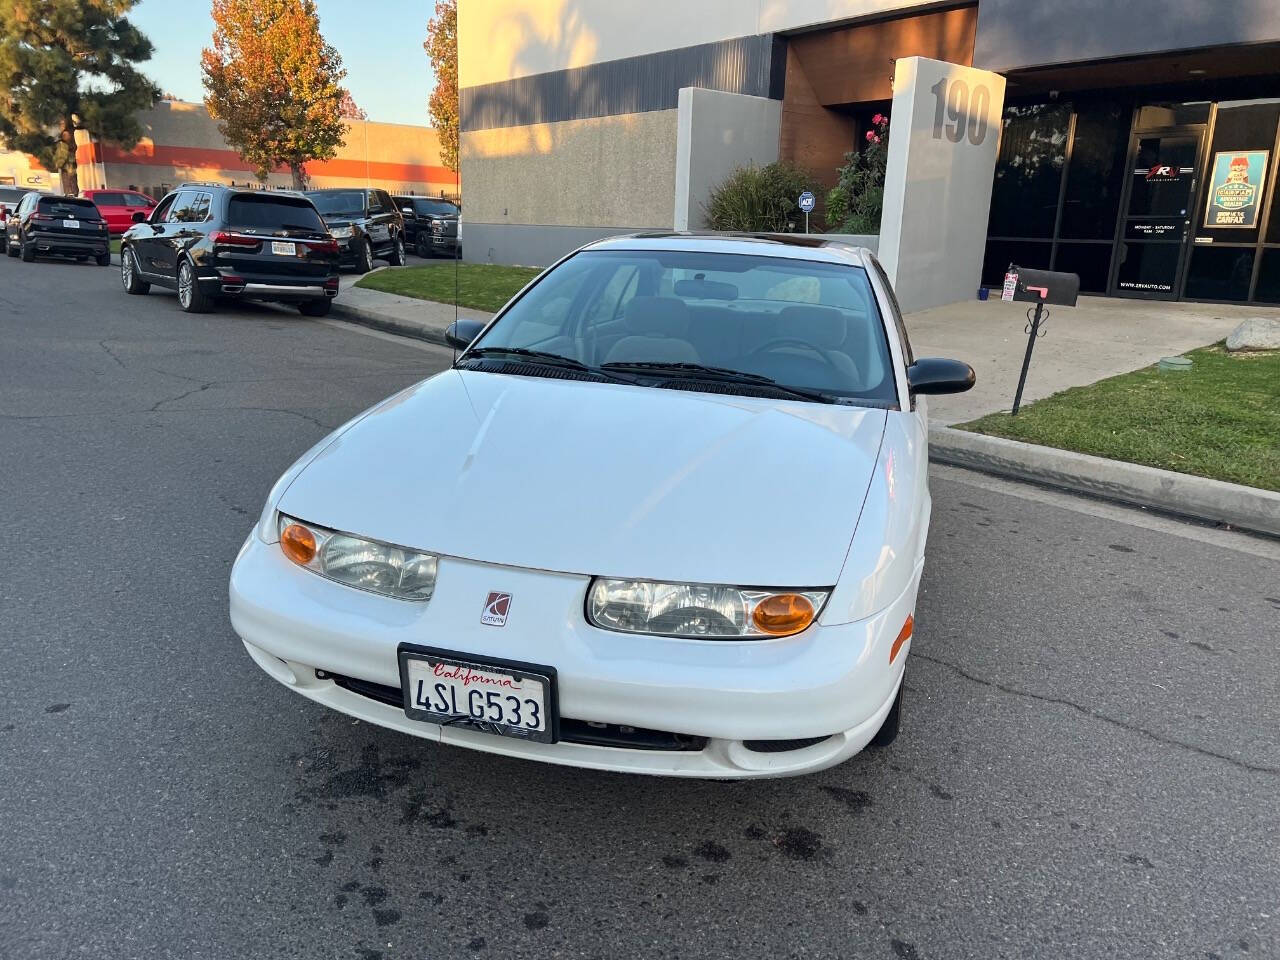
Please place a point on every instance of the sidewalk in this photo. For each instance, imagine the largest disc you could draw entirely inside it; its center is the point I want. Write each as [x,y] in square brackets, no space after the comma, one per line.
[406,316]
[1099,338]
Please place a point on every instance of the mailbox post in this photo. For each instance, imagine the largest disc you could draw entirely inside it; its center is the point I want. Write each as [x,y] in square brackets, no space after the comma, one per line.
[1040,287]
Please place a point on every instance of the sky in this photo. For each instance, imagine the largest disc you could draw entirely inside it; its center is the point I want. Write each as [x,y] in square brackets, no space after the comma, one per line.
[380,41]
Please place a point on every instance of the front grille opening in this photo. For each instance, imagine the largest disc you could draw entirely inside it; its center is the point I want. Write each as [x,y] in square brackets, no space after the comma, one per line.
[781,746]
[587,732]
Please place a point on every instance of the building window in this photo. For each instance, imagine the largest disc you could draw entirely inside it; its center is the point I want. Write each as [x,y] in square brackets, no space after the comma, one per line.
[1095,178]
[1268,290]
[1092,261]
[1029,170]
[1219,273]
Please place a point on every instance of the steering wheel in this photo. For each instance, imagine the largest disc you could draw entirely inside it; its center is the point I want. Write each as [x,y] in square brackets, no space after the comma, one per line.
[791,342]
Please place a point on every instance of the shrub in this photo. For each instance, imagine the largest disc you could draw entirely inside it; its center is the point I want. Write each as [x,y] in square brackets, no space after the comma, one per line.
[761,199]
[855,203]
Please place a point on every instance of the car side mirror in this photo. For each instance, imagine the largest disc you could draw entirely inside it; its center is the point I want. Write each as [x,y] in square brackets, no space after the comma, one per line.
[937,375]
[462,332]
[408,210]
[139,217]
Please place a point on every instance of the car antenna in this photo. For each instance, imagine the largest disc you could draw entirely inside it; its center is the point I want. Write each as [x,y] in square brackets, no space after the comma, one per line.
[457,255]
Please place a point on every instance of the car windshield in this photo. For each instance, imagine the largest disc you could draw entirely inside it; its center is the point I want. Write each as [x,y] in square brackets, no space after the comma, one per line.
[76,207]
[332,203]
[435,208]
[273,211]
[803,324]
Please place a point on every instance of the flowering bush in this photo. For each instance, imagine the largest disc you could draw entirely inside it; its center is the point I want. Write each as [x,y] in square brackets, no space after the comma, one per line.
[855,202]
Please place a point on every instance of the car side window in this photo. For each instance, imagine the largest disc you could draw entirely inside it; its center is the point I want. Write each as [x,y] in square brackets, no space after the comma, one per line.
[388,205]
[108,199]
[896,310]
[136,200]
[371,203]
[161,213]
[181,210]
[198,211]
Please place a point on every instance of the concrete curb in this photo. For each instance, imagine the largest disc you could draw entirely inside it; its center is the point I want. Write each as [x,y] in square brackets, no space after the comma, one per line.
[1245,508]
[387,323]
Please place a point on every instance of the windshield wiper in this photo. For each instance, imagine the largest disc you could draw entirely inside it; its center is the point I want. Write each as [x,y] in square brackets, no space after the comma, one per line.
[541,356]
[547,359]
[701,371]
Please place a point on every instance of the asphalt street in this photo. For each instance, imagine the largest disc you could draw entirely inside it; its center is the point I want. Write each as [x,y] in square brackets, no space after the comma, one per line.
[1089,766]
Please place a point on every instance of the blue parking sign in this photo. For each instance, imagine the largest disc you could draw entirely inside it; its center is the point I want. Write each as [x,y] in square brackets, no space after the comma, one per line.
[807,201]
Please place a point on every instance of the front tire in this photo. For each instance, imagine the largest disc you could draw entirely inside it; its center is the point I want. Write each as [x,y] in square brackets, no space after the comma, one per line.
[396,257]
[129,278]
[423,247]
[9,247]
[190,297]
[28,250]
[104,259]
[315,308]
[364,259]
[888,731]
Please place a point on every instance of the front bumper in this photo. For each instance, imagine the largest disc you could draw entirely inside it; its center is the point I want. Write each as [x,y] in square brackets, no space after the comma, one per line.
[832,685]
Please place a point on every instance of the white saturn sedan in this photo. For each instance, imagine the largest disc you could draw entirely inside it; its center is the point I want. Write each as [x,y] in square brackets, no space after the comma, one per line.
[666,513]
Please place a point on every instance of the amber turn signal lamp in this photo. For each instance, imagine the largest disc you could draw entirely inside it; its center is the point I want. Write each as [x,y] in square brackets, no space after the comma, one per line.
[903,636]
[298,543]
[783,614]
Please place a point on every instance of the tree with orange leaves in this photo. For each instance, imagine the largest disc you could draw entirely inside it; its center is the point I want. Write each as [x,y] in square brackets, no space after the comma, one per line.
[442,50]
[273,84]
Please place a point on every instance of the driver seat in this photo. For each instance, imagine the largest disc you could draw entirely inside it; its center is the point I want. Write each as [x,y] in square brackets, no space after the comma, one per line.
[825,328]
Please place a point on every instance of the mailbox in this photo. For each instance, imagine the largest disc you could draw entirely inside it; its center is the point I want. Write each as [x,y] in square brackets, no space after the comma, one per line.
[1041,286]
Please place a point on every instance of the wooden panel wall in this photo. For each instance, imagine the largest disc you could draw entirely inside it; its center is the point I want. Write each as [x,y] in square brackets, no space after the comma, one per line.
[855,64]
[813,136]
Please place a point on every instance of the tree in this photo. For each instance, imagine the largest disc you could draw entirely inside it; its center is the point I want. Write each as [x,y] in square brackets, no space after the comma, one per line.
[68,65]
[273,84]
[442,49]
[348,109]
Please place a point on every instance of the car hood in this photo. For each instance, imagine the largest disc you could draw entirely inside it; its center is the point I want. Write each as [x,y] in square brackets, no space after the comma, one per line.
[607,479]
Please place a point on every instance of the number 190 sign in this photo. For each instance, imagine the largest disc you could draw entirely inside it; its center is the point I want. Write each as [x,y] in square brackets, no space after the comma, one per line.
[958,112]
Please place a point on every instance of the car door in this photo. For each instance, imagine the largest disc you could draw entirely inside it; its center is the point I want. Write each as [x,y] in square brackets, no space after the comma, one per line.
[380,220]
[111,205]
[150,241]
[173,234]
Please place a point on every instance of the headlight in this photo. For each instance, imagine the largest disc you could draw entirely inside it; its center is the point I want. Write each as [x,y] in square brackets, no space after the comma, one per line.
[708,611]
[341,233]
[363,564]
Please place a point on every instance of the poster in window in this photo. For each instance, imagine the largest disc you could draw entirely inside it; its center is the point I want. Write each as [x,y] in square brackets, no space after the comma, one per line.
[1235,189]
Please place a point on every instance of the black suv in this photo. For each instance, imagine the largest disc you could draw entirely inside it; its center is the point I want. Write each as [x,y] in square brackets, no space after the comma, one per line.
[365,223]
[46,224]
[430,225]
[210,242]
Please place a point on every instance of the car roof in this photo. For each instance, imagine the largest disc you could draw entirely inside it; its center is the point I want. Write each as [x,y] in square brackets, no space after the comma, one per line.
[791,246]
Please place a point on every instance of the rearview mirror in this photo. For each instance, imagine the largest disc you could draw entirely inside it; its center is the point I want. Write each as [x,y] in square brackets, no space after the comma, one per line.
[937,375]
[139,217]
[462,331]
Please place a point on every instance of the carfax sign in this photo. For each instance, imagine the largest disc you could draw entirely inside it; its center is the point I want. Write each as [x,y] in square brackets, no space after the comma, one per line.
[1235,188]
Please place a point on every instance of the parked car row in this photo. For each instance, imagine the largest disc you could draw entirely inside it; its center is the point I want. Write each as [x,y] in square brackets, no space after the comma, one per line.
[210,242]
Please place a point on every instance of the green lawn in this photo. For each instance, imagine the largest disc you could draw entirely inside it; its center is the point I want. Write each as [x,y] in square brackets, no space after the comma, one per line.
[115,246]
[480,285]
[1221,419]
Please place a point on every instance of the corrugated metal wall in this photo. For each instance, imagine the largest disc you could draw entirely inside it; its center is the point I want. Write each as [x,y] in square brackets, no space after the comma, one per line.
[749,65]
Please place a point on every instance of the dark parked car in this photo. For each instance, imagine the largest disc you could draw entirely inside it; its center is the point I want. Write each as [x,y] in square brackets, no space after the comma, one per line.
[45,225]
[211,242]
[366,223]
[430,225]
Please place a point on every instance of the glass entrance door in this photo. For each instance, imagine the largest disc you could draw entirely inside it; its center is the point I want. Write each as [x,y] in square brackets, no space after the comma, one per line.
[1160,204]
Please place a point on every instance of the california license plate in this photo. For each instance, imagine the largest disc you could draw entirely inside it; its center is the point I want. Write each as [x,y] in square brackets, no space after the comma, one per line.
[284,249]
[73,224]
[504,697]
